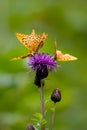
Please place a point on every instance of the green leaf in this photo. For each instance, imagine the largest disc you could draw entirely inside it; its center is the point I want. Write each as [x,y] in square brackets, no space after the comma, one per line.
[38,120]
[38,116]
[43,122]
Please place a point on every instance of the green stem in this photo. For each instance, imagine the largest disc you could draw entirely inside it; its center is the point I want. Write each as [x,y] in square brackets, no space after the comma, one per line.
[42,102]
[53,116]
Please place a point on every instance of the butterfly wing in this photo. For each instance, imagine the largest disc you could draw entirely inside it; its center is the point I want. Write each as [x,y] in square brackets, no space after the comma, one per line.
[58,55]
[23,39]
[21,57]
[64,57]
[33,42]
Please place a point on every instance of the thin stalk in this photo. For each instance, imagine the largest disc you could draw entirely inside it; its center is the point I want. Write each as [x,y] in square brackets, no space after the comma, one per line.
[41,89]
[53,117]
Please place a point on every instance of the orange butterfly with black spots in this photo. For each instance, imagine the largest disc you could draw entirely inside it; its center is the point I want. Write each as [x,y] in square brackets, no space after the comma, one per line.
[33,42]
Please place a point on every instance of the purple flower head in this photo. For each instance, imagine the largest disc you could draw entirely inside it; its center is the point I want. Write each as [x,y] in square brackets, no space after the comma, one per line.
[42,62]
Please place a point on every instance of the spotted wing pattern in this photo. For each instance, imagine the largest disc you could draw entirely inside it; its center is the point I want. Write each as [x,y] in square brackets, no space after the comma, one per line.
[33,41]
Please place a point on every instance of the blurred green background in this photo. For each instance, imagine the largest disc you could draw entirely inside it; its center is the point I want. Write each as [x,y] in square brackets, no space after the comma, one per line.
[65,21]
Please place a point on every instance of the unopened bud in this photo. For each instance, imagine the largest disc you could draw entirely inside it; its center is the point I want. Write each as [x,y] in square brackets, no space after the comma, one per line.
[30,127]
[56,95]
[38,82]
[42,73]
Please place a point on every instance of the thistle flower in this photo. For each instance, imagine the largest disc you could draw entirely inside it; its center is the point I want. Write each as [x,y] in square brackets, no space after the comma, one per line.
[41,64]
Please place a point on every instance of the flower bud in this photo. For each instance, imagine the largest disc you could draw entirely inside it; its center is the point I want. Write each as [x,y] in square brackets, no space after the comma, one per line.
[38,82]
[42,73]
[30,127]
[56,95]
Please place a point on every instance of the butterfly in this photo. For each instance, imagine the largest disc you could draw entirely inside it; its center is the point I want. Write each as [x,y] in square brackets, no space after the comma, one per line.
[33,42]
[58,55]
